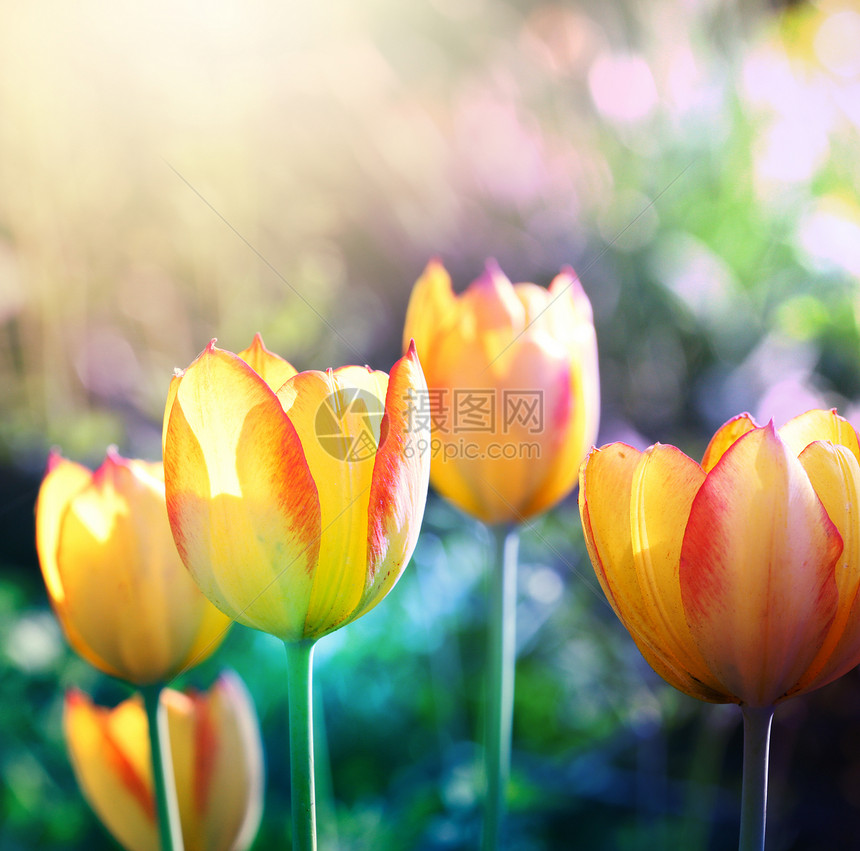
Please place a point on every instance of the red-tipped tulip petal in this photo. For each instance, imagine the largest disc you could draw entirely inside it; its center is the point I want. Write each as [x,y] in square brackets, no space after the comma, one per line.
[241,499]
[512,377]
[217,758]
[295,510]
[617,483]
[724,437]
[757,569]
[835,475]
[116,582]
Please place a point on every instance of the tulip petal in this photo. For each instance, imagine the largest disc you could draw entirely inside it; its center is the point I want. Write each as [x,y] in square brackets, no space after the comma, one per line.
[339,415]
[497,350]
[835,475]
[123,597]
[535,301]
[432,306]
[492,307]
[757,569]
[724,437]
[109,751]
[607,509]
[574,418]
[218,763]
[665,482]
[272,368]
[217,758]
[798,433]
[63,481]
[568,294]
[241,499]
[398,490]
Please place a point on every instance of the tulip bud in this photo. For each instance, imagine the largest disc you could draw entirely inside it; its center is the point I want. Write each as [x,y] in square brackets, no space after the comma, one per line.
[513,389]
[738,578]
[295,499]
[114,578]
[217,759]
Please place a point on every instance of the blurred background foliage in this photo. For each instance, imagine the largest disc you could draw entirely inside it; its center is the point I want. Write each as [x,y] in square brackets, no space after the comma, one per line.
[173,172]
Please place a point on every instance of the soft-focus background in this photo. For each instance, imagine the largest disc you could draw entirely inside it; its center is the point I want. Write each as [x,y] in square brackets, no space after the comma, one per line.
[173,172]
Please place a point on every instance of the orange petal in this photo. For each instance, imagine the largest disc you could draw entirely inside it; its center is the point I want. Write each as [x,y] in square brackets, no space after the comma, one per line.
[339,415]
[432,305]
[398,490]
[216,755]
[168,407]
[273,369]
[576,429]
[798,433]
[665,482]
[605,502]
[133,604]
[835,475]
[218,763]
[241,499]
[109,751]
[492,305]
[725,436]
[63,481]
[757,569]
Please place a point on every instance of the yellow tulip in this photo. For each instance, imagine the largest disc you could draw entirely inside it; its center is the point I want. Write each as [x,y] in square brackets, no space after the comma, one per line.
[114,578]
[513,388]
[738,577]
[295,498]
[217,759]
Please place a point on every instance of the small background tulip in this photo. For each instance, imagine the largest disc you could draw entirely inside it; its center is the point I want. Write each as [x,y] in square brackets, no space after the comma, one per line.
[114,578]
[737,578]
[513,388]
[295,498]
[217,758]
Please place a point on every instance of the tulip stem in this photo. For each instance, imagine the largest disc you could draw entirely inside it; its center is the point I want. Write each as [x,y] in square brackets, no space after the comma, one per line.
[499,709]
[164,781]
[757,723]
[300,689]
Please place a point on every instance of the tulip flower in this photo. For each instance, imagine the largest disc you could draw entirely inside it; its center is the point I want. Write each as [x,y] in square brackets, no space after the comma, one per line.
[218,759]
[119,589]
[513,388]
[514,400]
[295,501]
[738,577]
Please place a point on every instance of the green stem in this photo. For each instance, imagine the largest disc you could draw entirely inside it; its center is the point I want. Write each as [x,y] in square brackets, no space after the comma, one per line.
[499,711]
[300,687]
[757,722]
[164,782]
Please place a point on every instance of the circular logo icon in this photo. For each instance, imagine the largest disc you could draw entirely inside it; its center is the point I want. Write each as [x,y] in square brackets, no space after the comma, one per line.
[347,424]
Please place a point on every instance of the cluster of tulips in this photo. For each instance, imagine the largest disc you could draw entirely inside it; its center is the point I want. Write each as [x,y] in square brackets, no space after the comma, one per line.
[291,502]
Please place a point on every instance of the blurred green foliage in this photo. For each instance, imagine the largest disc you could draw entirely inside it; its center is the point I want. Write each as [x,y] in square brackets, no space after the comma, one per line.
[174,172]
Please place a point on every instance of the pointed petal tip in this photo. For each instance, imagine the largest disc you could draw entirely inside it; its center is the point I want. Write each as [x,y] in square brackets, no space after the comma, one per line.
[75,697]
[492,267]
[55,458]
[492,275]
